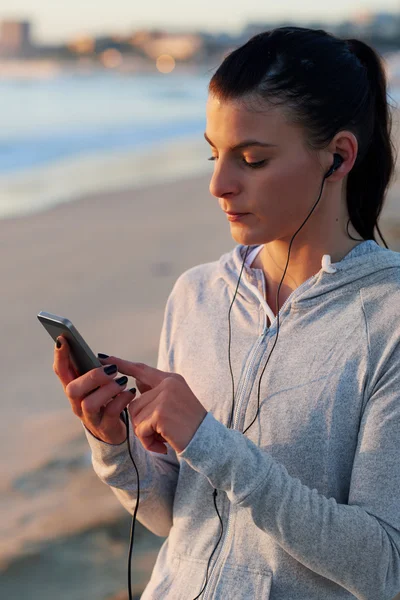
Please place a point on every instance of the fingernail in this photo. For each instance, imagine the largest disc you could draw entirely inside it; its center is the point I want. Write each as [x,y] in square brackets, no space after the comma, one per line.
[133,390]
[100,355]
[110,369]
[58,343]
[122,380]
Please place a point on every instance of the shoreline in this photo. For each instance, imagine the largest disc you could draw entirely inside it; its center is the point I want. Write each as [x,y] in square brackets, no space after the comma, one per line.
[40,188]
[108,262]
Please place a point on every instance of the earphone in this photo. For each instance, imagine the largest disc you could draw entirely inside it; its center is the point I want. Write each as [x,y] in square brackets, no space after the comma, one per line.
[338,160]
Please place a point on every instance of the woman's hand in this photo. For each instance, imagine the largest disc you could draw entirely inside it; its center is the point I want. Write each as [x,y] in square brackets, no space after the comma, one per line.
[167,410]
[96,397]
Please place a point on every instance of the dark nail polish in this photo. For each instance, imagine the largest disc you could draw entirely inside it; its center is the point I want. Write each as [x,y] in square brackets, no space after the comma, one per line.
[58,343]
[122,380]
[110,369]
[100,355]
[133,390]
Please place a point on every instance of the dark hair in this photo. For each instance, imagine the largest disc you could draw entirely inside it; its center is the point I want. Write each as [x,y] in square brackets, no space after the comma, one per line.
[325,84]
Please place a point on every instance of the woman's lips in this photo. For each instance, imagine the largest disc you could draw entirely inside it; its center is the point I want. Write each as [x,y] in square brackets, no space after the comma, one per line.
[236,216]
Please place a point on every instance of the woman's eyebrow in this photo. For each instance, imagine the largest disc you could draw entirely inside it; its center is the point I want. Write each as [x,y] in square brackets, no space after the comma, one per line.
[245,144]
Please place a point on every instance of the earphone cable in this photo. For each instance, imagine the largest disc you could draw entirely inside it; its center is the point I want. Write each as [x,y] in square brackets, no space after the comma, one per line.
[132,534]
[215,493]
[276,339]
[230,336]
[277,304]
[215,547]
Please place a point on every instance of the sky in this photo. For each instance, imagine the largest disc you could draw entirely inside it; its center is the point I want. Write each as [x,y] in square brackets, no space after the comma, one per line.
[56,21]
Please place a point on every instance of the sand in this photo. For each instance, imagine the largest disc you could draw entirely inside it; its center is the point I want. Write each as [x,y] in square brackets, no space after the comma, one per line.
[108,263]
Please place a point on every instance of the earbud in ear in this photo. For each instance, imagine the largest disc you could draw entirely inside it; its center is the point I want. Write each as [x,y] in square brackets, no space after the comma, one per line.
[337,161]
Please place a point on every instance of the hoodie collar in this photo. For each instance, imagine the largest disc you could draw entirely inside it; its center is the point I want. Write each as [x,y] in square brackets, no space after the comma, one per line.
[362,260]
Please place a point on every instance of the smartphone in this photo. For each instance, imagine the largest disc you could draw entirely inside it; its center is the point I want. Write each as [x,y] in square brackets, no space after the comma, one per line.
[82,357]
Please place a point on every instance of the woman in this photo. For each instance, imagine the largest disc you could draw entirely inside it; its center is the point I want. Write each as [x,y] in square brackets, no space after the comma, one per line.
[282,451]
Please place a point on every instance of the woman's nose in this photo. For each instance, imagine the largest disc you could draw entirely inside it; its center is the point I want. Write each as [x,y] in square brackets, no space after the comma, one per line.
[223,181]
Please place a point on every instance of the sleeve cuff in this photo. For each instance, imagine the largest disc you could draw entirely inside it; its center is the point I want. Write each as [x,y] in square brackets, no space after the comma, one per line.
[230,461]
[103,450]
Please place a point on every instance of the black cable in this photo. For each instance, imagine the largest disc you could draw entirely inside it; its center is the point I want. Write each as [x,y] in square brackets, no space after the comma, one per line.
[135,511]
[216,545]
[276,339]
[215,493]
[233,400]
[277,302]
[229,342]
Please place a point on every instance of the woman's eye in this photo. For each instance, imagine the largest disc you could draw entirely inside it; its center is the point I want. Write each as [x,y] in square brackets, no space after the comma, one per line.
[255,165]
[252,165]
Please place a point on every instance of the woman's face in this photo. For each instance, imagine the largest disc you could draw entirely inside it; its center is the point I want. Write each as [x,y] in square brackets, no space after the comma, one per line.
[279,193]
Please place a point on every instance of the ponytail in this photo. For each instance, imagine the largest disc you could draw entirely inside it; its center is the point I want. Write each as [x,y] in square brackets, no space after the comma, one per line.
[375,165]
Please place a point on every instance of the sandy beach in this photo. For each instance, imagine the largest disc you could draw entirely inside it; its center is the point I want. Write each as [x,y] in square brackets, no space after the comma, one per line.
[107,262]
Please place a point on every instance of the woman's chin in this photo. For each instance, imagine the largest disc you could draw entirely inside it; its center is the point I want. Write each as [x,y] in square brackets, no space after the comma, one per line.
[246,236]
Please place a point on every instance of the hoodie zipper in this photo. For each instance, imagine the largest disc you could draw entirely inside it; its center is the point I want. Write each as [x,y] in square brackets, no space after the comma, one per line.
[246,379]
[236,418]
[241,395]
[289,298]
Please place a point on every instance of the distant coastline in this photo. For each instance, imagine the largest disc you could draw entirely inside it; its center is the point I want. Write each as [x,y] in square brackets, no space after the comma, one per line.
[76,130]
[47,68]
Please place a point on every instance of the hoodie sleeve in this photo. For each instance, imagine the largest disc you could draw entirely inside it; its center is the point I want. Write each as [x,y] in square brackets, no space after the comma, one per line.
[158,473]
[356,545]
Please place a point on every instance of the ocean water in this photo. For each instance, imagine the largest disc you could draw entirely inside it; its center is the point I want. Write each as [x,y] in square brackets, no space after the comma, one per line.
[70,135]
[45,121]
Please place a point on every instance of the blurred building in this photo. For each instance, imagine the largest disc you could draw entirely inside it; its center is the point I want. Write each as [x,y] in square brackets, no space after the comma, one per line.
[15,38]
[180,46]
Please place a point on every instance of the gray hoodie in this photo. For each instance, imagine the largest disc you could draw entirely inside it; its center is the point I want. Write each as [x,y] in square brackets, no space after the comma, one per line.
[309,495]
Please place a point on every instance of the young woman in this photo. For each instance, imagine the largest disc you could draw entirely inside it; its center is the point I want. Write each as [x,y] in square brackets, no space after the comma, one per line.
[277,393]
